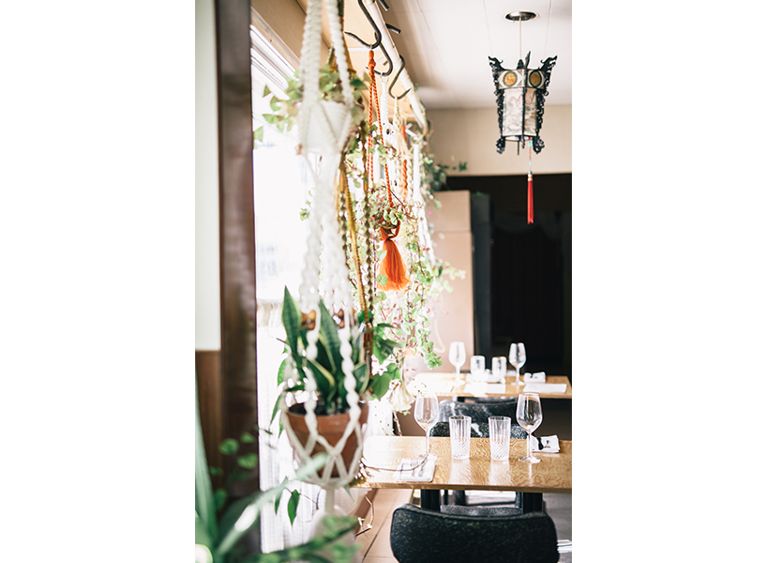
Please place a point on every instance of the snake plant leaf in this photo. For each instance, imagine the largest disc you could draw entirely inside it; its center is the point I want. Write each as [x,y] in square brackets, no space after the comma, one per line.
[291,320]
[326,383]
[362,375]
[281,371]
[204,503]
[329,334]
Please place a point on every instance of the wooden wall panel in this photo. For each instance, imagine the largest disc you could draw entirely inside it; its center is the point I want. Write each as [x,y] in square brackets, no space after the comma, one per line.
[236,220]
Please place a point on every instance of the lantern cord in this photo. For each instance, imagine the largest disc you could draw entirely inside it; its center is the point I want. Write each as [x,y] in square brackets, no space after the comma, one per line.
[520,39]
[530,211]
[548,22]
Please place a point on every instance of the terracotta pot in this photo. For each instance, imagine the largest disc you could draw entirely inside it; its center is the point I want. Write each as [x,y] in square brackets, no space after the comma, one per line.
[329,426]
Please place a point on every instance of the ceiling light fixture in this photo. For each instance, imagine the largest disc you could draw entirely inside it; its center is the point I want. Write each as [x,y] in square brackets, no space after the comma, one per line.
[520,94]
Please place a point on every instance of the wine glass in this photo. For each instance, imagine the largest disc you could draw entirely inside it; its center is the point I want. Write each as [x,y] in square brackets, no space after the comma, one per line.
[457,356]
[517,357]
[426,413]
[529,417]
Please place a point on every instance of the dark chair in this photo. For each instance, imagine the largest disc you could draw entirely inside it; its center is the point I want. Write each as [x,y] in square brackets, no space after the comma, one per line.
[424,536]
[479,411]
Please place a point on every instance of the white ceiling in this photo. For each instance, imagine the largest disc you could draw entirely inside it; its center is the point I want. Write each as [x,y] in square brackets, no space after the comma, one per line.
[446,44]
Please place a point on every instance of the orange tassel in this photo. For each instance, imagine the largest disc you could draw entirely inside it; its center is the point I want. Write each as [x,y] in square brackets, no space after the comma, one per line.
[392,266]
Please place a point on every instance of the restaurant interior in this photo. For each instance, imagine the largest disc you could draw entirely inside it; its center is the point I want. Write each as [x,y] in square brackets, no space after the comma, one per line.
[383,262]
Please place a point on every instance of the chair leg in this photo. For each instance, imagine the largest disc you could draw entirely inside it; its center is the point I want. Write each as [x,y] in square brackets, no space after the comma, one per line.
[531,502]
[430,499]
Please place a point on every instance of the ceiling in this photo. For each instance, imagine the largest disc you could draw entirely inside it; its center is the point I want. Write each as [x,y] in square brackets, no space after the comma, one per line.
[446,44]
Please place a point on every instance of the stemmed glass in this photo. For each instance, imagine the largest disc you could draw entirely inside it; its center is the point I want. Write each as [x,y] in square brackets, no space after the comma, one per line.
[457,356]
[529,417]
[426,413]
[517,357]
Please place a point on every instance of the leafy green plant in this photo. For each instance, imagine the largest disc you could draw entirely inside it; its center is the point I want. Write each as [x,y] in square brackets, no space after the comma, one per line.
[285,110]
[434,174]
[219,532]
[326,367]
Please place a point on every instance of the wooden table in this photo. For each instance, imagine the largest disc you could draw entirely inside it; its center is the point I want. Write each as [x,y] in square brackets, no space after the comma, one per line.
[552,475]
[451,385]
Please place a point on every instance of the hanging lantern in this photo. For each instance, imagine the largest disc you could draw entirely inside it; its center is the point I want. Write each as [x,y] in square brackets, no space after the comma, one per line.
[520,94]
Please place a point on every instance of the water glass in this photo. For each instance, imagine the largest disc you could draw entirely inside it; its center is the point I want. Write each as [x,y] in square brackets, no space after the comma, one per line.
[499,368]
[460,433]
[457,356]
[500,433]
[477,365]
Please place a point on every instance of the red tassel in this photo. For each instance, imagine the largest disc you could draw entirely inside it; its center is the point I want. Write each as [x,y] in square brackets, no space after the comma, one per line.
[530,214]
[392,266]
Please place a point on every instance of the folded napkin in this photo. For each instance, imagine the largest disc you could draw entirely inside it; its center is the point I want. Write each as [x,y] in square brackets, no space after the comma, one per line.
[412,471]
[545,387]
[537,377]
[550,444]
[484,388]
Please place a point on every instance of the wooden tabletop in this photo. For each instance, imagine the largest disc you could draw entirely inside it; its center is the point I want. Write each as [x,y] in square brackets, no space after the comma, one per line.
[552,475]
[450,385]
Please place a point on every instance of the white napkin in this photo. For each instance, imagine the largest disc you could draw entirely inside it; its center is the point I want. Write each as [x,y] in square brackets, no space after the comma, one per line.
[550,444]
[545,387]
[537,377]
[411,471]
[484,388]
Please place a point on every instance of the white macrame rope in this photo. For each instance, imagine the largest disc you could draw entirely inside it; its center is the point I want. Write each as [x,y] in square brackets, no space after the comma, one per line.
[325,275]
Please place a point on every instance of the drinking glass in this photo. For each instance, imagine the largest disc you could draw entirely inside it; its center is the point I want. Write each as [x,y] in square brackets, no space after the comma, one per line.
[457,356]
[477,365]
[499,368]
[460,432]
[517,357]
[529,417]
[426,413]
[500,433]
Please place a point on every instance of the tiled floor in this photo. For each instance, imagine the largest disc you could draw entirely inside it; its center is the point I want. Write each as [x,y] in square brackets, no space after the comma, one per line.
[374,544]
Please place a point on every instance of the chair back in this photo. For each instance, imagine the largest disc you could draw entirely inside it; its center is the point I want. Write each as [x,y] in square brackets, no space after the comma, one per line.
[426,536]
[479,412]
[478,430]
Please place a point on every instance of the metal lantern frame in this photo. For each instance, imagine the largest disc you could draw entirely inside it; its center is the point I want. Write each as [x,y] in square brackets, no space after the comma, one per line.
[522,78]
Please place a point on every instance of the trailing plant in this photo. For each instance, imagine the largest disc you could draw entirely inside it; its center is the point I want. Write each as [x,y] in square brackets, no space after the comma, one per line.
[285,109]
[219,530]
[434,174]
[326,367]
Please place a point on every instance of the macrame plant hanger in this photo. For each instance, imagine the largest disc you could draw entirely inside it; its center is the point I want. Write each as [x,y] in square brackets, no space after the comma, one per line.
[392,266]
[324,127]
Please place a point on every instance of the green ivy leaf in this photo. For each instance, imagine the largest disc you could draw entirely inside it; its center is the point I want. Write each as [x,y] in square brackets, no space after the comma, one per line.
[379,384]
[247,438]
[248,461]
[229,446]
[258,134]
[266,91]
[219,498]
[215,471]
[295,496]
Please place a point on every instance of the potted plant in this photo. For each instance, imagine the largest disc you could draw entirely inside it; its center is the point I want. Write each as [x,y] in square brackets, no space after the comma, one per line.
[222,528]
[332,407]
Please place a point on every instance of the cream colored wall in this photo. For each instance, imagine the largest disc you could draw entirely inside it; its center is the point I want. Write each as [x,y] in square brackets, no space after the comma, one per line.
[207,296]
[469,135]
[452,240]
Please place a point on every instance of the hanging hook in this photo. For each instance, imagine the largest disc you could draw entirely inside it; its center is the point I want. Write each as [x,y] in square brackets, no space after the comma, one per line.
[378,36]
[396,77]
